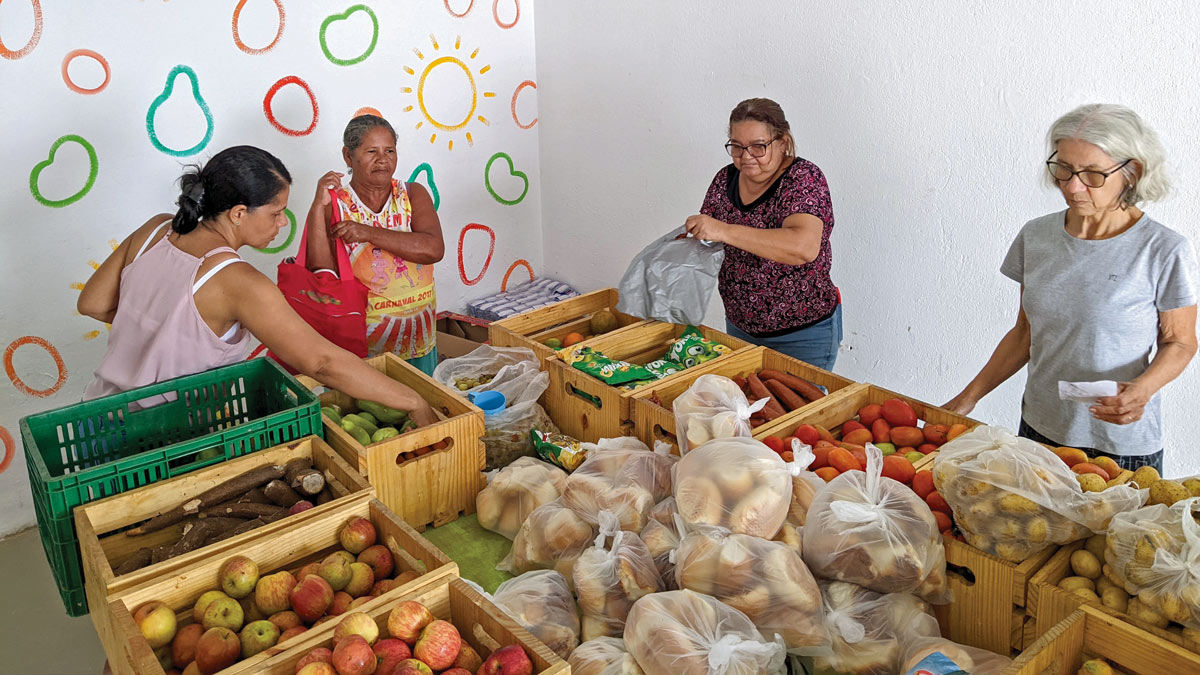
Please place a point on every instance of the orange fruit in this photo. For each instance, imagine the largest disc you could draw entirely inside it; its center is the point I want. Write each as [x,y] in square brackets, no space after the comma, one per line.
[1071,456]
[955,431]
[827,473]
[1088,467]
[1109,465]
[572,338]
[898,469]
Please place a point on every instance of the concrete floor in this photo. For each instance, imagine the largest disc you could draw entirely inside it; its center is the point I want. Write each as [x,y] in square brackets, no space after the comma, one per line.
[36,635]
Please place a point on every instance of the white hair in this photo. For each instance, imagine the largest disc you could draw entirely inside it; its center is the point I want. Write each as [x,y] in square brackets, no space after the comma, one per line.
[1122,135]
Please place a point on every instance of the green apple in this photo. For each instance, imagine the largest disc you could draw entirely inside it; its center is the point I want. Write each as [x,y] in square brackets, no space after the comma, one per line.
[914,457]
[886,448]
[554,343]
[257,637]
[223,613]
[157,623]
[238,576]
[203,602]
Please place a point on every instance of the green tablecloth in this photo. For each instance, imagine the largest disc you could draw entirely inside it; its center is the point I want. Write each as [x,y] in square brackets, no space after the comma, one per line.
[476,550]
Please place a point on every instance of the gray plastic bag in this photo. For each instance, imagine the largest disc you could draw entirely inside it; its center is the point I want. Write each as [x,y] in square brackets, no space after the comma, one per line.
[672,279]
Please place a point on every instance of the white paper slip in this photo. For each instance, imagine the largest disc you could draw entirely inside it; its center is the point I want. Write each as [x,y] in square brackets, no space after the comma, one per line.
[1086,392]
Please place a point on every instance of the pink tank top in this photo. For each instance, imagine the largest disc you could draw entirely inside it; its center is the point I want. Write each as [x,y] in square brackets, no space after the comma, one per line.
[158,333]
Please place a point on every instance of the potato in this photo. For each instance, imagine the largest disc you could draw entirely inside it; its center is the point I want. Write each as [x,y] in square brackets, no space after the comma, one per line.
[1084,564]
[1087,594]
[1095,545]
[1104,583]
[1115,598]
[1072,583]
[1140,611]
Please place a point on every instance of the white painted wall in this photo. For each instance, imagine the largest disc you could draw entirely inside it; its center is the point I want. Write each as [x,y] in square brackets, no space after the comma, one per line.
[928,119]
[48,250]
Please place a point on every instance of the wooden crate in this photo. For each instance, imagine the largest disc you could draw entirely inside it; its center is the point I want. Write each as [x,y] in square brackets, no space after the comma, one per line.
[586,408]
[653,422]
[104,544]
[286,549]
[479,621]
[432,489]
[1088,633]
[531,329]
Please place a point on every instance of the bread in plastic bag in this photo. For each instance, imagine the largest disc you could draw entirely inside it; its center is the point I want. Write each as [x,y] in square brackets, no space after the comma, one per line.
[765,580]
[623,476]
[513,493]
[805,483]
[610,577]
[873,531]
[713,407]
[737,483]
[542,602]
[551,538]
[1154,552]
[661,537]
[1013,497]
[866,628]
[603,656]
[688,633]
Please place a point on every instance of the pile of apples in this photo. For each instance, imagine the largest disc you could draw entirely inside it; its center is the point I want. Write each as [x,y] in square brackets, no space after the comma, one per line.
[416,643]
[249,613]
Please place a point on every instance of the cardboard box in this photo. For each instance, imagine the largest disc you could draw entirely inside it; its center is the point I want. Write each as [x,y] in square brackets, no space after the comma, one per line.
[459,335]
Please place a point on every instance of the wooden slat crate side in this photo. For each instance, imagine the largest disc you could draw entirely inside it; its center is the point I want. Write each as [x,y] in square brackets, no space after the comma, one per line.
[1057,652]
[288,550]
[1055,569]
[582,406]
[1089,632]
[535,320]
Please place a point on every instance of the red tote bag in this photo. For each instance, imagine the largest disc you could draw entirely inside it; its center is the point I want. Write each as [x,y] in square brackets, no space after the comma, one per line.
[335,305]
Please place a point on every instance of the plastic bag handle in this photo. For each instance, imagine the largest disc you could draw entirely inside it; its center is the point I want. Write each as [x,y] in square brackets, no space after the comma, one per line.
[802,456]
[746,411]
[871,511]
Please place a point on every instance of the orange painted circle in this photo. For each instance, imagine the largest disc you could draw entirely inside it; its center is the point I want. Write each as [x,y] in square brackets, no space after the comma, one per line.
[458,16]
[13,55]
[496,14]
[6,440]
[516,92]
[366,110]
[12,373]
[237,39]
[71,56]
[519,263]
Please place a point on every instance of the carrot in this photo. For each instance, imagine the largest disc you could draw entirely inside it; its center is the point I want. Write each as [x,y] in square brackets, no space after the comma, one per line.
[790,399]
[800,386]
[773,408]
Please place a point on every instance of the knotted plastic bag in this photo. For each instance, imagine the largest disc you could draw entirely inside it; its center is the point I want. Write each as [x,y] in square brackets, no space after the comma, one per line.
[672,279]
[866,628]
[603,656]
[541,601]
[737,483]
[661,537]
[623,476]
[1155,553]
[609,578]
[551,538]
[713,407]
[513,493]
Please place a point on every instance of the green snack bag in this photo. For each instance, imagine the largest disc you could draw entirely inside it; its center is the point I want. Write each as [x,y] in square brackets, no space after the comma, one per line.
[662,368]
[559,449]
[692,349]
[611,372]
[357,432]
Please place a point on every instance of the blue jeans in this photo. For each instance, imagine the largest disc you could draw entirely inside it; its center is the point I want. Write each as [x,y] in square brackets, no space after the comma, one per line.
[818,344]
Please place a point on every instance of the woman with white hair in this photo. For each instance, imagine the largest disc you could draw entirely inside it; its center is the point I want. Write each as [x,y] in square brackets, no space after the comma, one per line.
[1107,293]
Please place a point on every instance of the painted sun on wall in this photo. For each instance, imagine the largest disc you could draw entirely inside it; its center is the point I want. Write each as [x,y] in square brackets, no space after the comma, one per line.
[456,103]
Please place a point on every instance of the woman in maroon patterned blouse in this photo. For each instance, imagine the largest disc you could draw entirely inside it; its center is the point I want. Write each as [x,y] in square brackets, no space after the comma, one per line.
[772,211]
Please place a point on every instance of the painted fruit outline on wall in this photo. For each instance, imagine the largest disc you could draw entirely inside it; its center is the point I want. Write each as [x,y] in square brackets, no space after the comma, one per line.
[431,184]
[521,262]
[35,174]
[10,448]
[342,17]
[527,83]
[487,179]
[284,81]
[79,286]
[76,53]
[168,89]
[462,237]
[237,38]
[14,54]
[448,61]
[291,235]
[17,382]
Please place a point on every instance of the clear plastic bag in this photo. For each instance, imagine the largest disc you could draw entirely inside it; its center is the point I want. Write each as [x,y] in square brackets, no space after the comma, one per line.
[551,538]
[513,493]
[875,532]
[688,633]
[623,476]
[661,538]
[509,370]
[603,656]
[1013,497]
[609,578]
[805,483]
[866,627]
[713,407]
[765,580]
[541,601]
[672,279]
[737,483]
[1154,552]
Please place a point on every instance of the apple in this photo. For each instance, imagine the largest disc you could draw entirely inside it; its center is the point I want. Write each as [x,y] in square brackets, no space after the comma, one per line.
[318,655]
[217,649]
[250,611]
[224,612]
[310,568]
[356,623]
[300,507]
[271,593]
[407,620]
[508,660]
[258,636]
[383,586]
[202,603]
[157,622]
[311,597]
[468,658]
[380,560]
[183,647]
[291,633]
[362,578]
[457,671]
[359,602]
[335,569]
[341,602]
[285,620]
[163,654]
[237,576]
[390,652]
[438,645]
[357,535]
[353,656]
[318,668]
[412,667]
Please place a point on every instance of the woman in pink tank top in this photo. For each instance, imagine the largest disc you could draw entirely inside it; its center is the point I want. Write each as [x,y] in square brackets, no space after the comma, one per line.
[179,304]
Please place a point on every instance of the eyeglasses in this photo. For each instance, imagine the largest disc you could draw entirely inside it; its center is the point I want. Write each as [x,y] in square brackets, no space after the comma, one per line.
[755,149]
[1093,179]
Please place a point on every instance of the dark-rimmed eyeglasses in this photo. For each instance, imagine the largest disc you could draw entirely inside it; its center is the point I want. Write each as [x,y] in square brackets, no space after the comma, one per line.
[735,150]
[1089,177]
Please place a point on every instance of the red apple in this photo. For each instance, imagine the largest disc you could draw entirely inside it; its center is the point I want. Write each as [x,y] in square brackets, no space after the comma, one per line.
[291,633]
[318,655]
[300,507]
[318,668]
[457,671]
[380,560]
[310,568]
[438,645]
[311,597]
[285,620]
[271,593]
[157,623]
[357,535]
[468,658]
[509,660]
[238,576]
[359,602]
[390,653]
[411,667]
[217,649]
[383,586]
[362,578]
[407,620]
[250,610]
[353,656]
[183,647]
[356,623]
[341,602]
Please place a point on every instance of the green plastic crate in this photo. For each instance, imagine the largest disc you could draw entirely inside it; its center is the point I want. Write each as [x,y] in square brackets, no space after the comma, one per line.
[91,450]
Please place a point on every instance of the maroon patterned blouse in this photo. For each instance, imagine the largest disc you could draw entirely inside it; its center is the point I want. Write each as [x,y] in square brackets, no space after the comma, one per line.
[762,297]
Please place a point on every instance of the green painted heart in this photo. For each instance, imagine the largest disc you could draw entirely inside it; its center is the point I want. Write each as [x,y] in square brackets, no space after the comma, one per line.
[162,98]
[487,179]
[93,169]
[424,168]
[342,17]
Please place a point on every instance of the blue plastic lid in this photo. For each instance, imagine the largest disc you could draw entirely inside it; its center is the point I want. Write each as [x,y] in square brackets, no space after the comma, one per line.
[490,402]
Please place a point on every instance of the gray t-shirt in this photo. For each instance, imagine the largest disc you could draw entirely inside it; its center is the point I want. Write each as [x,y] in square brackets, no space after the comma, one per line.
[1093,314]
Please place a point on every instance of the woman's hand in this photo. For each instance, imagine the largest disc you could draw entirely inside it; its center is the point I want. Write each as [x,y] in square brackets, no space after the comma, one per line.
[325,183]
[1124,408]
[961,404]
[706,227]
[352,232]
[423,416]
